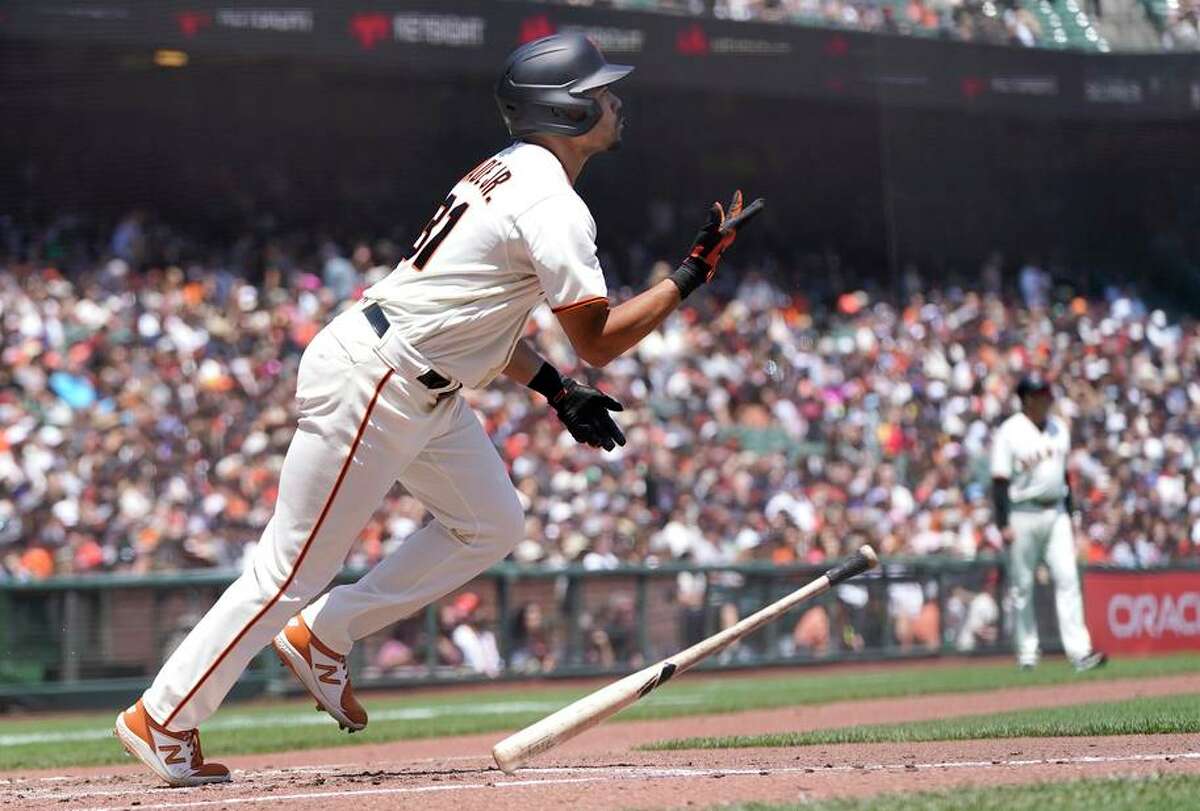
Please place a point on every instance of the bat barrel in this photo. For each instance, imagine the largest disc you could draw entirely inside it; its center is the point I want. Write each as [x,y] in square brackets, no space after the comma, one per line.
[516,749]
[578,716]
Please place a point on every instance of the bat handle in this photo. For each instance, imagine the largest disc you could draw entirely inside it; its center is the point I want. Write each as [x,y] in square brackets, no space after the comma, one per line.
[864,559]
[748,213]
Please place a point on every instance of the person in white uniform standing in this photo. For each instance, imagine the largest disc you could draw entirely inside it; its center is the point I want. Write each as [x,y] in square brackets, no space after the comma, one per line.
[377,396]
[1032,501]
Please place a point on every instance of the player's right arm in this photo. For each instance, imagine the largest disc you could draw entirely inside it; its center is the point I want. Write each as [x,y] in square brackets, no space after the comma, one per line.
[599,333]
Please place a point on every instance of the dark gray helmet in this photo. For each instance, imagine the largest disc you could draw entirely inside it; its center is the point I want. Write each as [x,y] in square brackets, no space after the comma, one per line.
[543,84]
[1032,383]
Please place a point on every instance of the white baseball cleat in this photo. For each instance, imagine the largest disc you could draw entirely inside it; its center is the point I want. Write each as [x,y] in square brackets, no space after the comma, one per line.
[173,756]
[322,671]
[1090,661]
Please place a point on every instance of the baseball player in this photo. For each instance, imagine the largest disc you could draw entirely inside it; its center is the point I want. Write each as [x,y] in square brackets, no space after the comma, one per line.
[1032,498]
[377,396]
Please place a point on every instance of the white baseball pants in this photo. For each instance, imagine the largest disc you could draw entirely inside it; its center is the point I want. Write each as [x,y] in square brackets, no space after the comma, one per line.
[365,422]
[1039,534]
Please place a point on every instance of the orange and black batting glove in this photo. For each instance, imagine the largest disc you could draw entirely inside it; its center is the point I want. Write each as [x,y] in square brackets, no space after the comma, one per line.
[718,233]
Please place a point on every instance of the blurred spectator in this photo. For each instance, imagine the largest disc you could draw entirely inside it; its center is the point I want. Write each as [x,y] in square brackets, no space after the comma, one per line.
[621,629]
[472,638]
[396,651]
[972,616]
[448,653]
[914,615]
[971,20]
[811,633]
[1181,29]
[339,274]
[612,635]
[532,649]
[129,239]
[1035,285]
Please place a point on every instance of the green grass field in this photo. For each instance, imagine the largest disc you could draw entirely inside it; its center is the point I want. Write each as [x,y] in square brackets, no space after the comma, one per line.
[1139,716]
[59,741]
[1156,793]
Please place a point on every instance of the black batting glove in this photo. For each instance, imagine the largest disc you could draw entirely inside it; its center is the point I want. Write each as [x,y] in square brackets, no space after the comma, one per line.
[582,409]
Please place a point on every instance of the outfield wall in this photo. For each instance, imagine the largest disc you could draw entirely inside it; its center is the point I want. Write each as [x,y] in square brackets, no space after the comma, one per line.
[99,640]
[1142,612]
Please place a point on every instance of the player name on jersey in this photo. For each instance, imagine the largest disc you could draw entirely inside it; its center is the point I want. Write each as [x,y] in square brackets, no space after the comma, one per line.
[487,176]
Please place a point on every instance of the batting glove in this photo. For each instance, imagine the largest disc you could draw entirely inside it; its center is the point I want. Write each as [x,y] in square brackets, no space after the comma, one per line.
[582,409]
[718,233]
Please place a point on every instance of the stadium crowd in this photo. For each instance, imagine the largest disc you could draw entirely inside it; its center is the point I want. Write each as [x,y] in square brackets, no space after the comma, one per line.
[1180,27]
[1005,22]
[145,411]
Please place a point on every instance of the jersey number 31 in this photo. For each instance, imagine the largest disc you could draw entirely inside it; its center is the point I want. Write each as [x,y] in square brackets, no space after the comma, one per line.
[436,230]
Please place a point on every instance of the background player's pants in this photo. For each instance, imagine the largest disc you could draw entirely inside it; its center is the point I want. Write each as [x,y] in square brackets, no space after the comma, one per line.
[1036,535]
[364,423]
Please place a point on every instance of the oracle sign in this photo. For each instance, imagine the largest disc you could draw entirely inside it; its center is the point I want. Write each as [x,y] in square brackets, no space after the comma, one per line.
[1143,612]
[1147,614]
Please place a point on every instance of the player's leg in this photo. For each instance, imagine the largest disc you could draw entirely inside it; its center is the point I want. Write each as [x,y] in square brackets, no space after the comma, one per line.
[1064,567]
[477,520]
[1023,557]
[340,463]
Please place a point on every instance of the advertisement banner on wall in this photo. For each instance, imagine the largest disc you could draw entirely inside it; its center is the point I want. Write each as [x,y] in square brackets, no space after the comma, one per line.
[471,38]
[1143,611]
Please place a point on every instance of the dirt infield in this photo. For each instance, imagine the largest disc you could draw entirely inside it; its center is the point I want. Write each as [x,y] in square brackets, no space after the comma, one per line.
[599,770]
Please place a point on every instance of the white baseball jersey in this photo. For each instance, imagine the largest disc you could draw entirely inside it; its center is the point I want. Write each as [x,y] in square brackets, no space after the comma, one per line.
[511,234]
[1033,461]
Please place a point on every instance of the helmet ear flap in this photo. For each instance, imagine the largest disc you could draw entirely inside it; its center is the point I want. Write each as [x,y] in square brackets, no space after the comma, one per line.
[570,115]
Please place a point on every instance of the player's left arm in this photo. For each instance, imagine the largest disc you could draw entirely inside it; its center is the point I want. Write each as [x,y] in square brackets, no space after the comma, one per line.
[599,333]
[582,409]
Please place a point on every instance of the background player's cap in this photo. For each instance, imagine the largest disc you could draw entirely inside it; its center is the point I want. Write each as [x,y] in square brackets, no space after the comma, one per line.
[1032,383]
[543,83]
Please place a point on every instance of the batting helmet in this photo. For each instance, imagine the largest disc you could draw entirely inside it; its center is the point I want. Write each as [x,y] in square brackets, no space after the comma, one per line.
[1031,384]
[543,85]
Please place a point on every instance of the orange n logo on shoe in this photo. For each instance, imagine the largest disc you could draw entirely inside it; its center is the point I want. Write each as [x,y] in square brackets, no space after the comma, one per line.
[327,674]
[172,751]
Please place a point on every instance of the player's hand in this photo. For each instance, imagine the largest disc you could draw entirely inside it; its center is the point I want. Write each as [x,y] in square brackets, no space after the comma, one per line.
[718,233]
[584,411]
[720,230]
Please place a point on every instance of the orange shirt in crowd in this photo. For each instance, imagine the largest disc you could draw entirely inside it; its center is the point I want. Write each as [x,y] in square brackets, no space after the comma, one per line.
[38,561]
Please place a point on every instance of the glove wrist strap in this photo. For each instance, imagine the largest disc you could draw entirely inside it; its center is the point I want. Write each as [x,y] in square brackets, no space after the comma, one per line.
[547,382]
[690,274]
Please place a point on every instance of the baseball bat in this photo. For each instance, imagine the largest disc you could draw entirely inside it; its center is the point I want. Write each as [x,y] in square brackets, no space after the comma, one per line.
[515,750]
[747,214]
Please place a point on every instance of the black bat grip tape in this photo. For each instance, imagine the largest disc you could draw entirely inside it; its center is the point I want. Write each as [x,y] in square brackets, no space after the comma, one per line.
[748,213]
[848,569]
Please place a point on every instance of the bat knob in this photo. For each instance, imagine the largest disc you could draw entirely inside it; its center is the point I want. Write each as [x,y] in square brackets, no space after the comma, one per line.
[864,559]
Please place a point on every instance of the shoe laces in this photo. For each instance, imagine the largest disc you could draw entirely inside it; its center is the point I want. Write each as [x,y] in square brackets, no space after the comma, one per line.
[193,744]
